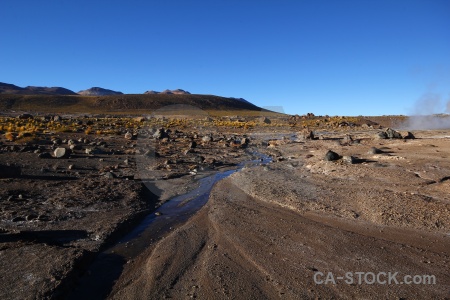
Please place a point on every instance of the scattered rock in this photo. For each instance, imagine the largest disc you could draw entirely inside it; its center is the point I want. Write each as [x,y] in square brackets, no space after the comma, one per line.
[192,145]
[331,156]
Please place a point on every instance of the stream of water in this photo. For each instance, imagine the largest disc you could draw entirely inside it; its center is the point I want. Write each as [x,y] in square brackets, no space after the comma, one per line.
[107,267]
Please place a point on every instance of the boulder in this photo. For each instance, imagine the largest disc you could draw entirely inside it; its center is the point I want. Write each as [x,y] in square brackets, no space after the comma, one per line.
[331,156]
[392,134]
[61,152]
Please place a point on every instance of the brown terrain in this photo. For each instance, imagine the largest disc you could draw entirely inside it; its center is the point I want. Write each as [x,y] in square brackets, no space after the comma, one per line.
[75,188]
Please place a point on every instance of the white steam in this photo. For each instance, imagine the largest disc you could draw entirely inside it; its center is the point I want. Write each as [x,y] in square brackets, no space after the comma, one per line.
[427,113]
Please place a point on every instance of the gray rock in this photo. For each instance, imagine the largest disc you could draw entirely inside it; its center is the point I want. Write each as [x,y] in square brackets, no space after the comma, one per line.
[61,152]
[392,134]
[245,141]
[348,159]
[331,156]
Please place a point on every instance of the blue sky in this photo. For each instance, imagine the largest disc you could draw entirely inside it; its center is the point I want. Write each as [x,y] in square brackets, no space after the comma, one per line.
[347,57]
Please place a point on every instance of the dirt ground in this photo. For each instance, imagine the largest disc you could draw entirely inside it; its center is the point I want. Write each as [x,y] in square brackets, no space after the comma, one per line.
[57,214]
[267,230]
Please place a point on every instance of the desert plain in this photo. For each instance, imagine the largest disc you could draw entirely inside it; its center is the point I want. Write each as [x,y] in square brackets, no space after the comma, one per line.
[286,212]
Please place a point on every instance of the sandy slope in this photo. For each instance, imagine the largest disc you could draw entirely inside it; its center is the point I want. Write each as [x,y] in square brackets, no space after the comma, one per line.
[267,230]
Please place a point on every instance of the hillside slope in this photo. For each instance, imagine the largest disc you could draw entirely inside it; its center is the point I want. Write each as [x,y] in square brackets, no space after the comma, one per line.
[118,104]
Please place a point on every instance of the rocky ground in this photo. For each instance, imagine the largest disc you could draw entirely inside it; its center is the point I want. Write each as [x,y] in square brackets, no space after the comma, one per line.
[382,206]
[71,187]
[66,195]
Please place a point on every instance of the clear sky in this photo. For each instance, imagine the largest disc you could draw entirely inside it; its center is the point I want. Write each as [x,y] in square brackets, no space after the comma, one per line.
[336,57]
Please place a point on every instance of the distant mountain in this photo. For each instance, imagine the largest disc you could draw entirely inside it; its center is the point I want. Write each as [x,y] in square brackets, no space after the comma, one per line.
[97,91]
[6,88]
[169,92]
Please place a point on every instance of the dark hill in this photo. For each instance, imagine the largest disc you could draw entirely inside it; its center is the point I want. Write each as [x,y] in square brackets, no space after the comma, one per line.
[119,104]
[6,88]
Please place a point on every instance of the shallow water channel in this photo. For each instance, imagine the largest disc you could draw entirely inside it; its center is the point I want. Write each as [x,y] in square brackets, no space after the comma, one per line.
[107,267]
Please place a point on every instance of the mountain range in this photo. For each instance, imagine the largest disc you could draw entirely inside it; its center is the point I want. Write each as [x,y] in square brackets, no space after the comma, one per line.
[58,99]
[11,89]
[6,88]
